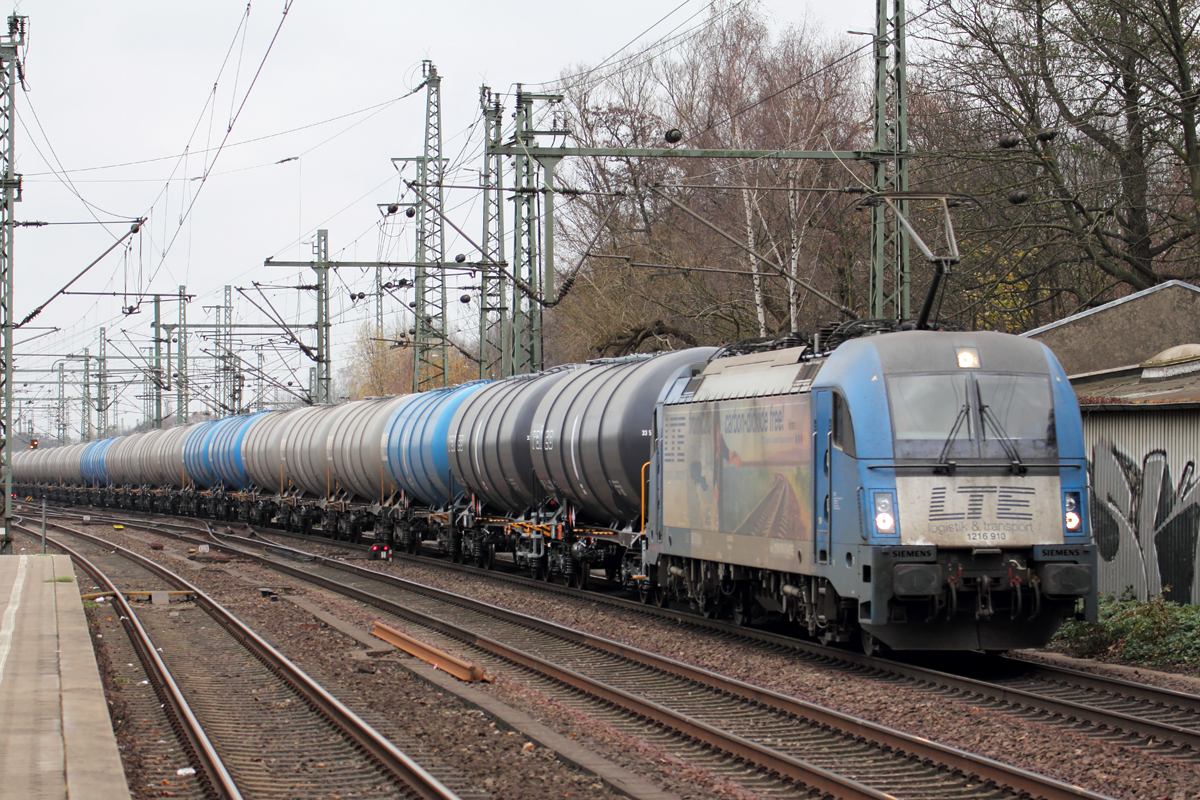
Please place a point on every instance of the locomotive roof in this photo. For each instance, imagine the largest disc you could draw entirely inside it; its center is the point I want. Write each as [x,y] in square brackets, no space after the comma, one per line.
[936,351]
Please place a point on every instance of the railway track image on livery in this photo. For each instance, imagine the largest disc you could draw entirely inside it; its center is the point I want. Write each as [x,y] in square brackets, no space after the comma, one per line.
[251,722]
[676,696]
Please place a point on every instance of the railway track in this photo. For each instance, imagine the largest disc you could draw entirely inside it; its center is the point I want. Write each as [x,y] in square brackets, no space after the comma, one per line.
[252,724]
[1119,711]
[1124,712]
[742,731]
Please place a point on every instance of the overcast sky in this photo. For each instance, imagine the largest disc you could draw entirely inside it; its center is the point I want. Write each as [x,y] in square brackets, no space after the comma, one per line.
[115,93]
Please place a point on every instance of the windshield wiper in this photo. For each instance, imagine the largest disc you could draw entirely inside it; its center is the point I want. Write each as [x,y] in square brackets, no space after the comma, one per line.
[944,465]
[1010,450]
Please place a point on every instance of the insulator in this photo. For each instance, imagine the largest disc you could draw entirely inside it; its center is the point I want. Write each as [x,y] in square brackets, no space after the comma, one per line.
[410,212]
[673,136]
[466,298]
[393,208]
[1046,135]
[460,258]
[1018,196]
[1010,140]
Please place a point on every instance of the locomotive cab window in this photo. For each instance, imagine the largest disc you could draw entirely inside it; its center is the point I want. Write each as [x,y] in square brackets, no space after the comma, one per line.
[843,426]
[1017,409]
[976,415]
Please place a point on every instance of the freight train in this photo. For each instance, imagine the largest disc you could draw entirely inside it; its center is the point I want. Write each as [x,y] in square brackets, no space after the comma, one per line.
[918,490]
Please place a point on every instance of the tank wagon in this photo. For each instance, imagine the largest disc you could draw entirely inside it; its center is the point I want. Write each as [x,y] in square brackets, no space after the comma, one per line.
[911,489]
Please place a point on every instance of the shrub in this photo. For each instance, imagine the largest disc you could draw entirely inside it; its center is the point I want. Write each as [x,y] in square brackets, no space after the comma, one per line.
[1153,632]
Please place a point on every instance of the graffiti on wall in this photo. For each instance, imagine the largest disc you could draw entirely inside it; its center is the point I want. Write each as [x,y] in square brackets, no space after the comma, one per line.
[1145,523]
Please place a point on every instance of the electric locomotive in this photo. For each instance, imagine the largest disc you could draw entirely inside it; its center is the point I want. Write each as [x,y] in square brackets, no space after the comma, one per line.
[917,489]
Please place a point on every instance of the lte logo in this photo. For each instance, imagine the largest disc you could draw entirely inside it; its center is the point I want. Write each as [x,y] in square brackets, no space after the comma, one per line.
[968,503]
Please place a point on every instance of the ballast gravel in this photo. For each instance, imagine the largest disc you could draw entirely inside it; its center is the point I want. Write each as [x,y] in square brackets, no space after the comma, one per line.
[1111,769]
[497,763]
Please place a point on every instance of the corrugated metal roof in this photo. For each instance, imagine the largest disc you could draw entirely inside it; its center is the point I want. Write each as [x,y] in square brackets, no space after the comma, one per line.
[1107,306]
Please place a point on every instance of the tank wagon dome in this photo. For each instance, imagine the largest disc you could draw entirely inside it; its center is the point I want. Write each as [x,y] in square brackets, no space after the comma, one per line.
[119,463]
[355,447]
[262,449]
[591,433]
[91,462]
[416,450]
[196,463]
[218,451]
[488,439]
[304,451]
[163,460]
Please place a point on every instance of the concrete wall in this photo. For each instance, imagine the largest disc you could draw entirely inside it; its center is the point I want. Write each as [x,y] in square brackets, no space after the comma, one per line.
[1125,332]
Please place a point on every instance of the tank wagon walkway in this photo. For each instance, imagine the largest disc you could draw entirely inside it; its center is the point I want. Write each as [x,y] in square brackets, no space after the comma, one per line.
[56,740]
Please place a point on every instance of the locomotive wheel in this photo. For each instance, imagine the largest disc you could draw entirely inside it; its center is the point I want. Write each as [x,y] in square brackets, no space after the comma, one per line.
[743,611]
[870,645]
[709,607]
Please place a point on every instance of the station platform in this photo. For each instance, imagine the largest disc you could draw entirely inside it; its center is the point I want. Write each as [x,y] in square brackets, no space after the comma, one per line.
[56,739]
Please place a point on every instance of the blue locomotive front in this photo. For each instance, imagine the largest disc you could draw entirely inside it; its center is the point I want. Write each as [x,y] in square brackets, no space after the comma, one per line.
[922,490]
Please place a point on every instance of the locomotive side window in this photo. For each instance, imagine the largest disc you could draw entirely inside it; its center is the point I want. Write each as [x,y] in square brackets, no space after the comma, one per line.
[843,426]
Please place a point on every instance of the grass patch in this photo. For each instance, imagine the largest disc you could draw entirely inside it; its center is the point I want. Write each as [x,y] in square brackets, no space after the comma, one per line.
[63,579]
[88,605]
[1151,633]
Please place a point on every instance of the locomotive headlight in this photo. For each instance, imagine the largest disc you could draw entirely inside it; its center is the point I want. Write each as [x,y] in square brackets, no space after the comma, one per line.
[968,358]
[1072,514]
[885,513]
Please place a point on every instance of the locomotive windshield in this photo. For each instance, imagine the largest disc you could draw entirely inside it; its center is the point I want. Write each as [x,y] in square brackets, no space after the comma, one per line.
[969,415]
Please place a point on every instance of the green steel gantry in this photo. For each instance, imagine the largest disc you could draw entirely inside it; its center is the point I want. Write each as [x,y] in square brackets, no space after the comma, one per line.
[517,329]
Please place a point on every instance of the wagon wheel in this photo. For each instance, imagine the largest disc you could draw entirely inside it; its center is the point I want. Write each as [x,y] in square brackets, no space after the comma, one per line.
[582,578]
[661,598]
[646,592]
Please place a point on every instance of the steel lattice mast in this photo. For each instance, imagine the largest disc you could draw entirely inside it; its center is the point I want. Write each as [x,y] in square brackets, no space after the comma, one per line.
[526,312]
[10,183]
[429,304]
[495,348]
[889,289]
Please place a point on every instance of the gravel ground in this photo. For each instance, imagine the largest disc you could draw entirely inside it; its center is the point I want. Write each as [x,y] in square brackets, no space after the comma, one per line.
[496,762]
[1099,766]
[149,751]
[1179,681]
